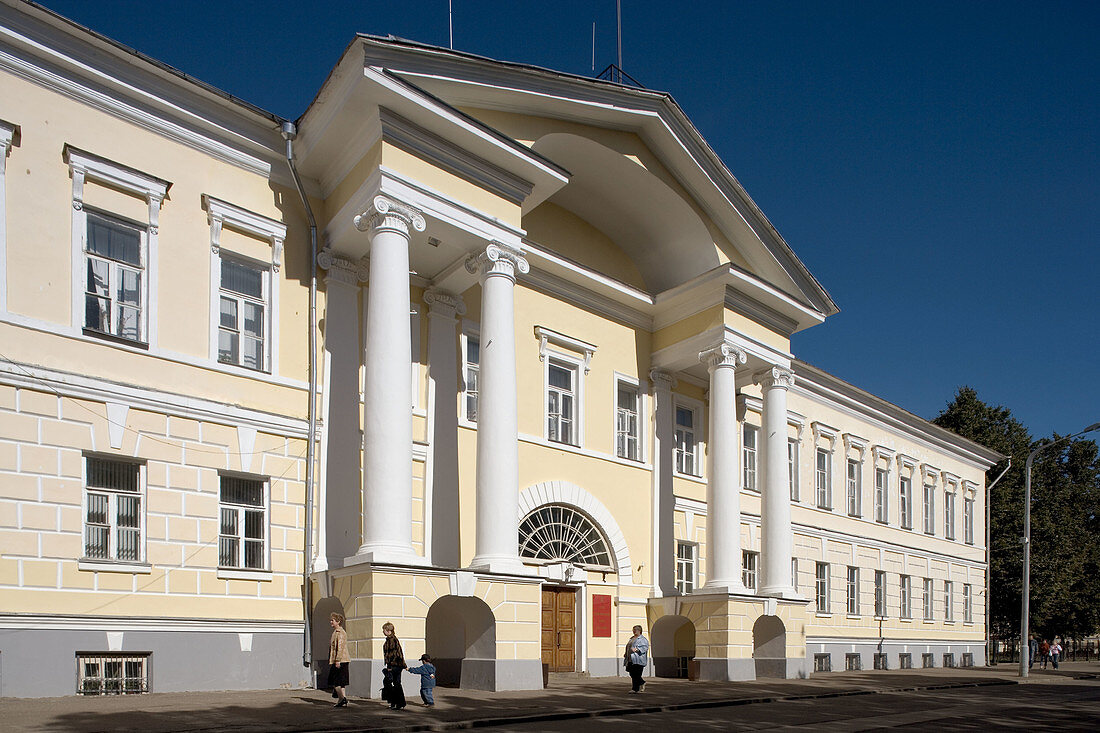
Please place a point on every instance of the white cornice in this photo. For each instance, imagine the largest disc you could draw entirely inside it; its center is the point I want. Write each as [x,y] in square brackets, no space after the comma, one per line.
[73,622]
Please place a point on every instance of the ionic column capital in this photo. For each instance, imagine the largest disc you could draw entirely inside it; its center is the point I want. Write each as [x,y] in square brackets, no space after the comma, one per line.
[775,376]
[725,354]
[498,259]
[341,269]
[386,214]
[662,380]
[444,304]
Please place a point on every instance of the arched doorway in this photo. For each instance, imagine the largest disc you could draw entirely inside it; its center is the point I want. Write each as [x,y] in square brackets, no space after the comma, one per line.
[769,647]
[672,640]
[460,634]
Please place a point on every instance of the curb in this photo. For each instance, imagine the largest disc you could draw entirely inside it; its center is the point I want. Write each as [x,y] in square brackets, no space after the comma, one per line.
[650,709]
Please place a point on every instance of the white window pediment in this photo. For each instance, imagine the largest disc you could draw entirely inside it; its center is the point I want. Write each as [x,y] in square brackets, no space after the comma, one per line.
[547,336]
[855,443]
[823,432]
[222,213]
[85,166]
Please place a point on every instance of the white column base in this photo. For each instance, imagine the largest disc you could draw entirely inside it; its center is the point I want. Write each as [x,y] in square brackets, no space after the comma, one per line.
[385,556]
[505,565]
[786,592]
[727,587]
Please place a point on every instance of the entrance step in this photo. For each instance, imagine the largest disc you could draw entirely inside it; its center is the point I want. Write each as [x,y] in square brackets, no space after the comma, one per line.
[553,677]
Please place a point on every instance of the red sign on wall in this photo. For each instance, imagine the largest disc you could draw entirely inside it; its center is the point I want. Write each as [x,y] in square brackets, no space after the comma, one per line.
[601,615]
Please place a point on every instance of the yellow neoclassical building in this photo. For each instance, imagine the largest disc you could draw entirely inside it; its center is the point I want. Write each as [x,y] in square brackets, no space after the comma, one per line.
[495,353]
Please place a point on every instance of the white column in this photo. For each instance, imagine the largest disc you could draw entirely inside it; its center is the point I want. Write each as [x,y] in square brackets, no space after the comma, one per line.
[664,461]
[387,414]
[497,539]
[775,513]
[723,490]
[443,510]
[339,535]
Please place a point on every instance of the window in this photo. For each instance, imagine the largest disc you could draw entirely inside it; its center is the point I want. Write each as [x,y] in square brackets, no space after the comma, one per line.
[686,444]
[880,593]
[928,660]
[559,532]
[881,661]
[627,400]
[853,591]
[792,467]
[855,488]
[949,514]
[113,257]
[114,291]
[821,587]
[968,659]
[112,674]
[882,478]
[113,515]
[748,569]
[948,601]
[968,521]
[823,480]
[968,603]
[685,567]
[905,661]
[561,396]
[242,325]
[906,610]
[905,502]
[948,659]
[794,573]
[823,663]
[472,375]
[929,509]
[853,662]
[748,453]
[243,523]
[927,599]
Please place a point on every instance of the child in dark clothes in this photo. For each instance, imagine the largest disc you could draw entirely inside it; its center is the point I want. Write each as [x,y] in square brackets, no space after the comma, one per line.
[426,670]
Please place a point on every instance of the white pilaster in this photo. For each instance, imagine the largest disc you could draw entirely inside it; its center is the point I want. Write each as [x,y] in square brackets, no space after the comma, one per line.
[497,522]
[776,540]
[441,526]
[7,134]
[723,491]
[664,462]
[387,417]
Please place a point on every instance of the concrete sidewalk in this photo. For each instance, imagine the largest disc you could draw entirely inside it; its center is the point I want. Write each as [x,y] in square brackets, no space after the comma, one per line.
[311,710]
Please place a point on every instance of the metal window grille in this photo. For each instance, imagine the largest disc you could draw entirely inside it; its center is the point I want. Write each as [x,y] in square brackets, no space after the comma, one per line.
[112,520]
[243,524]
[948,659]
[927,660]
[905,661]
[968,659]
[556,532]
[853,662]
[823,662]
[112,674]
[881,661]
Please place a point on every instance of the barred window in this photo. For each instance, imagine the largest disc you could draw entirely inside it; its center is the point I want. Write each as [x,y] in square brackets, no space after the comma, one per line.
[242,535]
[112,674]
[113,516]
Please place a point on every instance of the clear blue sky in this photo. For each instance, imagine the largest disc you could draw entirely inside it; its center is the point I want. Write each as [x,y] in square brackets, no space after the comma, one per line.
[935,164]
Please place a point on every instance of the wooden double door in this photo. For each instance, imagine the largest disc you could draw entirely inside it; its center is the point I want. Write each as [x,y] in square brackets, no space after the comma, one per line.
[559,629]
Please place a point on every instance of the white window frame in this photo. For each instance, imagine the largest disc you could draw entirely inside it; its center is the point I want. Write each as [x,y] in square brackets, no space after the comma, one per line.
[576,366]
[84,167]
[928,600]
[112,560]
[968,519]
[880,594]
[928,506]
[220,215]
[696,409]
[686,567]
[852,588]
[949,513]
[469,331]
[823,478]
[9,135]
[792,467]
[265,302]
[750,567]
[854,483]
[240,570]
[882,493]
[948,601]
[821,587]
[906,602]
[794,573]
[968,603]
[639,420]
[906,469]
[749,456]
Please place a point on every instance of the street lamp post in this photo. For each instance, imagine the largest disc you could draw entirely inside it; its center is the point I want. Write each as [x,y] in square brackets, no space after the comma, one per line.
[1025,648]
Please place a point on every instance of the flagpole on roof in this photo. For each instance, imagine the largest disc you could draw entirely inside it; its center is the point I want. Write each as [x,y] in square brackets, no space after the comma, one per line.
[451,23]
[619,22]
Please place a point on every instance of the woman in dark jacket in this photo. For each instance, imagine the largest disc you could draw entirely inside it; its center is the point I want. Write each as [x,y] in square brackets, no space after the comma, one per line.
[394,659]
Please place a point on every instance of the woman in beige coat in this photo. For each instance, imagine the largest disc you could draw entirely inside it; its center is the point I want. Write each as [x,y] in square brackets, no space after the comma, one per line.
[338,659]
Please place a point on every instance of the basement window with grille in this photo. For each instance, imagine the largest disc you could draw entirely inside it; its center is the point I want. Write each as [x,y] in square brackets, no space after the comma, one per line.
[905,661]
[880,662]
[823,662]
[853,662]
[101,673]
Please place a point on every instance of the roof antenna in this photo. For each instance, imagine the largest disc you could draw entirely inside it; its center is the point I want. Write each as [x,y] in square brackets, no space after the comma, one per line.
[593,45]
[619,20]
[451,23]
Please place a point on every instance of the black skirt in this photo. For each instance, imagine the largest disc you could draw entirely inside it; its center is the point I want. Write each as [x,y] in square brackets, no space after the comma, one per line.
[338,676]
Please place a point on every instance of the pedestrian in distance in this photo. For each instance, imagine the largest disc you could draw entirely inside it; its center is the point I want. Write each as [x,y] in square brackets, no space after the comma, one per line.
[426,670]
[394,660]
[338,660]
[1032,651]
[636,657]
[1055,653]
[1044,653]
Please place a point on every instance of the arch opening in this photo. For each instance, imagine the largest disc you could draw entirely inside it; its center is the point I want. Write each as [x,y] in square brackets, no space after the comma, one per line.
[560,532]
[769,647]
[460,635]
[673,646]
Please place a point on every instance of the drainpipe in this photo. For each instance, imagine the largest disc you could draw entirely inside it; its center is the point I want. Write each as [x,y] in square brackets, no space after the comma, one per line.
[990,658]
[290,131]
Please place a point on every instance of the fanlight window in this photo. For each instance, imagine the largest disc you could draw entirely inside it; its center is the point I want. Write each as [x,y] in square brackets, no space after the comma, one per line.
[555,532]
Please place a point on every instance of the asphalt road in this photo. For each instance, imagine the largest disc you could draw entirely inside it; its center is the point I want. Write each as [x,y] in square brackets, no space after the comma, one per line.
[1072,706]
